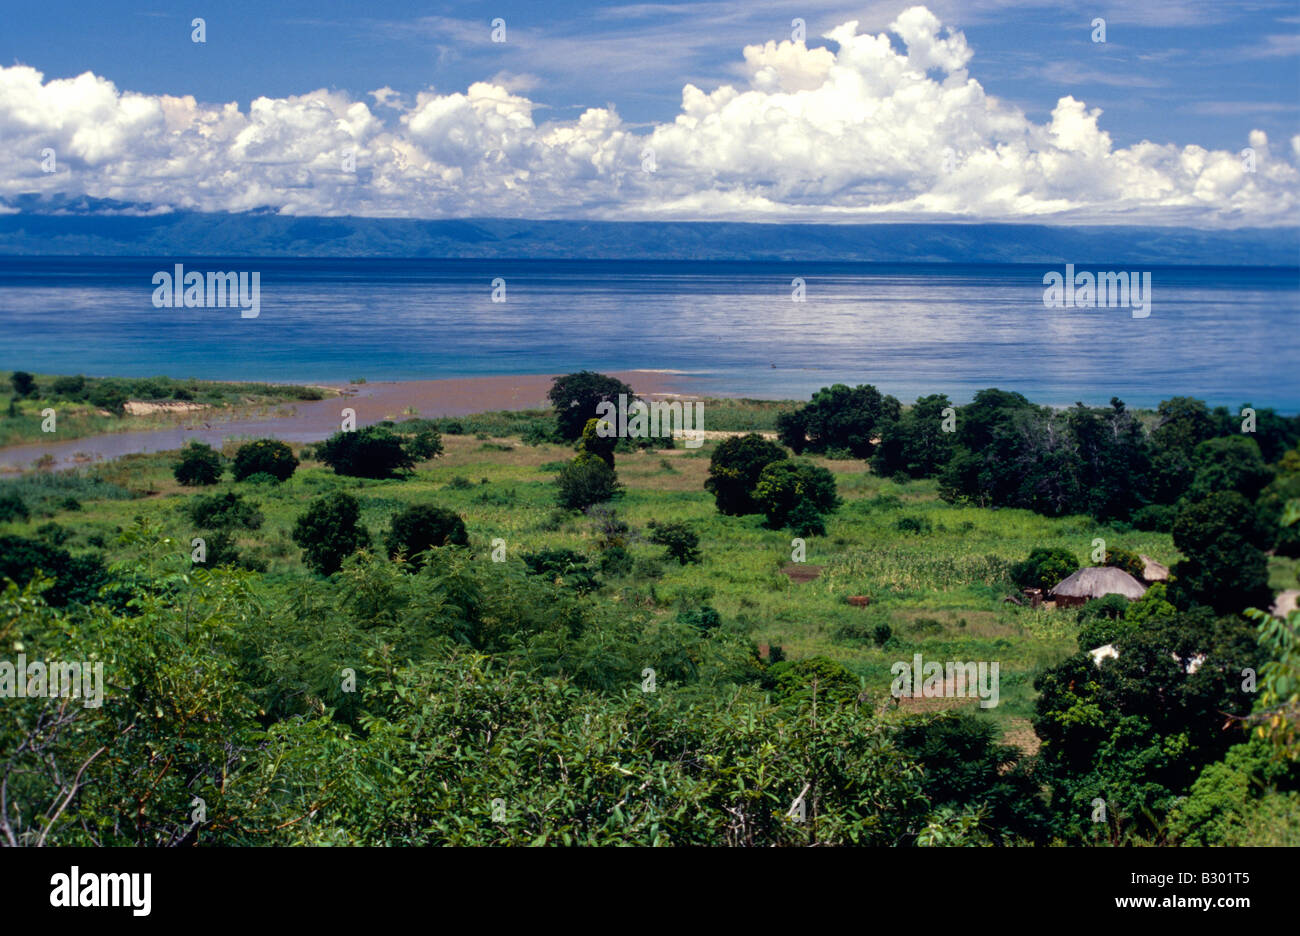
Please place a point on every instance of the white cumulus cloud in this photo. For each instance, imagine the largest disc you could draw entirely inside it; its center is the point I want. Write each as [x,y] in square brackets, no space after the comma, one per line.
[889,126]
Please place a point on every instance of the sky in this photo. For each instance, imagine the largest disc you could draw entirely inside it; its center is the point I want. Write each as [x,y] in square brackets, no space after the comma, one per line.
[993,110]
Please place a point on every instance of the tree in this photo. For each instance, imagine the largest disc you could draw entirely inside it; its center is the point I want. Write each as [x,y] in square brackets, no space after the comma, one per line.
[681,541]
[330,531]
[784,485]
[1225,568]
[265,456]
[371,452]
[734,469]
[24,383]
[426,444]
[1045,568]
[199,465]
[421,527]
[586,481]
[916,445]
[1136,729]
[839,417]
[1124,559]
[1228,463]
[576,396]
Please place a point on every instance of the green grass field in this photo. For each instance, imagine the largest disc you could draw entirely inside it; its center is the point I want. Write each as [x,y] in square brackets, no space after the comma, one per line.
[938,580]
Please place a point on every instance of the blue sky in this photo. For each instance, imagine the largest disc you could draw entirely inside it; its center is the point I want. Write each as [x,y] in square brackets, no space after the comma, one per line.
[1177,73]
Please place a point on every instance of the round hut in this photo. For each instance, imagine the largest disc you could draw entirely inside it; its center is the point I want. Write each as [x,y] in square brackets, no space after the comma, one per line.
[1096,582]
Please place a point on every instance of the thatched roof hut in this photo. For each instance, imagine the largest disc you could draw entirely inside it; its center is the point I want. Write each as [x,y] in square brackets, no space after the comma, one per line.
[1153,571]
[1097,582]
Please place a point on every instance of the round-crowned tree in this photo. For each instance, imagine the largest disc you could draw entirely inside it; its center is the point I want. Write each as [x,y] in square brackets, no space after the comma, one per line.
[265,456]
[1221,537]
[199,465]
[330,531]
[784,485]
[734,469]
[372,452]
[421,527]
[576,396]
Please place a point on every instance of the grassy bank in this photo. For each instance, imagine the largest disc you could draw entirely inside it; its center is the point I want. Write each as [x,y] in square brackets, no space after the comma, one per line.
[86,406]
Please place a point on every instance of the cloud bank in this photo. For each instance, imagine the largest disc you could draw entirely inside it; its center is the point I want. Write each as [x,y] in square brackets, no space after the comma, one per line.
[878,127]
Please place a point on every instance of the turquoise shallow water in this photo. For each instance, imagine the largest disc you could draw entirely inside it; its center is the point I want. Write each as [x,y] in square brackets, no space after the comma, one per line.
[1227,335]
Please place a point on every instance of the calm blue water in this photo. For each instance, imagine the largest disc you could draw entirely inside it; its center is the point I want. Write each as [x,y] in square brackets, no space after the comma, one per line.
[1227,335]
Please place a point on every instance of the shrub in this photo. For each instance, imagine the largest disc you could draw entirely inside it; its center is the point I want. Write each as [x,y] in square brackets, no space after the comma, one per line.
[586,481]
[426,444]
[734,470]
[594,444]
[330,531]
[806,520]
[913,525]
[372,452]
[422,527]
[782,485]
[12,508]
[1045,568]
[563,567]
[1157,518]
[199,465]
[704,619]
[70,388]
[223,512]
[1130,562]
[24,383]
[681,542]
[265,456]
[616,561]
[108,397]
[77,579]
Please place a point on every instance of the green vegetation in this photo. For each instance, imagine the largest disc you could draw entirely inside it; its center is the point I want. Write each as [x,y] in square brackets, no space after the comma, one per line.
[86,406]
[670,670]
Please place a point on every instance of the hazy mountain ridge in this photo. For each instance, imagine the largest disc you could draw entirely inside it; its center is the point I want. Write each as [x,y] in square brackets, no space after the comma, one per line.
[99,228]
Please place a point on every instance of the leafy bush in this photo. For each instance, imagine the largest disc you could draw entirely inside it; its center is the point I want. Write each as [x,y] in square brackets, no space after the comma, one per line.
[24,383]
[264,456]
[421,527]
[12,508]
[330,531]
[200,465]
[69,388]
[1157,518]
[1045,568]
[913,525]
[371,452]
[681,542]
[586,481]
[77,579]
[1130,562]
[227,511]
[594,444]
[563,567]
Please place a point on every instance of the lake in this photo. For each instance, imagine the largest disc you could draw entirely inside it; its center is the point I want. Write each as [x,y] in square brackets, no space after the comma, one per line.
[1225,334]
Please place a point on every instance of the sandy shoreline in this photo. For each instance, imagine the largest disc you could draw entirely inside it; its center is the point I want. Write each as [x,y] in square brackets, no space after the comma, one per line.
[462,396]
[316,420]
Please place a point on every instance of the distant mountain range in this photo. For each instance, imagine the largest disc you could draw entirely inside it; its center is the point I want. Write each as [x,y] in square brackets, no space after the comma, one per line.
[89,227]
